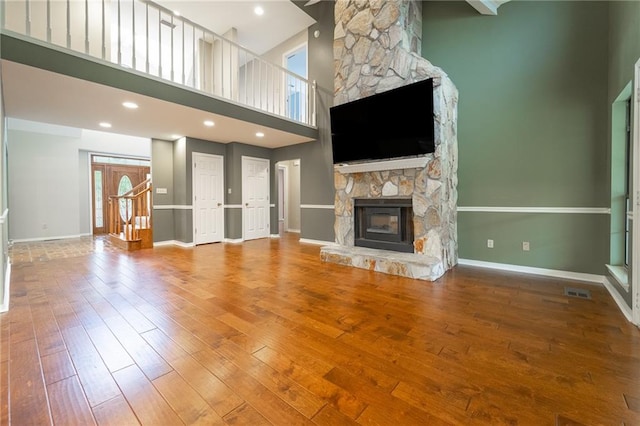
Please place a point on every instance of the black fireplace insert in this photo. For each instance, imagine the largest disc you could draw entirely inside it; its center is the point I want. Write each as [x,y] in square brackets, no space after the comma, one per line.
[384,223]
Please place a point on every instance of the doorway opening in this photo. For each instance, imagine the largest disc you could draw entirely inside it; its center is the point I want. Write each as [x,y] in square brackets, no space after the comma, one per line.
[296,92]
[112,176]
[288,181]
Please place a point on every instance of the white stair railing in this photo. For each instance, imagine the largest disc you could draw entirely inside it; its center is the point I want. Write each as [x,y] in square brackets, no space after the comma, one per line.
[148,38]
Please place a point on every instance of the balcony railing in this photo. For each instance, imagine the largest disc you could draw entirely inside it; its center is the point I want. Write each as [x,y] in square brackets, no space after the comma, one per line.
[148,38]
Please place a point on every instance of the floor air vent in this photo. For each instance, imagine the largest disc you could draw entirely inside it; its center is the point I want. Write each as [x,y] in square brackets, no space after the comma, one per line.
[577,292]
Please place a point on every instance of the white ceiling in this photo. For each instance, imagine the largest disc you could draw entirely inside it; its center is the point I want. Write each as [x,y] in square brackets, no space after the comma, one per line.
[281,20]
[37,95]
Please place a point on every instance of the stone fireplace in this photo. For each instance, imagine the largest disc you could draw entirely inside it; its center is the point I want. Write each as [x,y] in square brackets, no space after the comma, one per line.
[376,48]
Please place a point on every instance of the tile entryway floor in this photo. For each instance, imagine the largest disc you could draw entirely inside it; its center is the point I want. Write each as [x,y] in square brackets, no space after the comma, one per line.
[42,251]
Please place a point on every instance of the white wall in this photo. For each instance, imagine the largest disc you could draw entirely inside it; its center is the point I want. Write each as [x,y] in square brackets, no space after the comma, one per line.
[276,54]
[49,176]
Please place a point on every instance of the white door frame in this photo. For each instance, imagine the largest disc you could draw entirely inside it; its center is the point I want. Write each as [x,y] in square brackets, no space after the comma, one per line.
[635,257]
[194,210]
[285,191]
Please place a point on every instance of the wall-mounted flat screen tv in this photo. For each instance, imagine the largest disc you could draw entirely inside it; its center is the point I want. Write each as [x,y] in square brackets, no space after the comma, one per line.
[392,124]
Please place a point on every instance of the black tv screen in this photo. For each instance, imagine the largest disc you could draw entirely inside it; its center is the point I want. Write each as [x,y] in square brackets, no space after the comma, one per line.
[391,124]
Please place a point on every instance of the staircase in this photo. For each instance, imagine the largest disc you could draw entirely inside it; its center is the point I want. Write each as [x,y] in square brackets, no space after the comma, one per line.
[130,218]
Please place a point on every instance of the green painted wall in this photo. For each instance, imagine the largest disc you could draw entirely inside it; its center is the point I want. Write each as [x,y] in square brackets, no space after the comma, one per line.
[624,44]
[532,126]
[162,177]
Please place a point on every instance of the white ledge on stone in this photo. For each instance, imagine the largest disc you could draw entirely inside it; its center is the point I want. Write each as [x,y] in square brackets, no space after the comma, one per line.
[410,265]
[378,166]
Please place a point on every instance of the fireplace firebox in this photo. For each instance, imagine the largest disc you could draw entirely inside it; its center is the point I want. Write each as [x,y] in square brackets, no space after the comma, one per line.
[384,223]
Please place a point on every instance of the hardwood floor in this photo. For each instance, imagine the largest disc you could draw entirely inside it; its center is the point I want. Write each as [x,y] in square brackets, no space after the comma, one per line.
[264,333]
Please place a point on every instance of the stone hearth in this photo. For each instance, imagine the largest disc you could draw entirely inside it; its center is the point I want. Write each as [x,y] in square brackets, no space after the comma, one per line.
[375,49]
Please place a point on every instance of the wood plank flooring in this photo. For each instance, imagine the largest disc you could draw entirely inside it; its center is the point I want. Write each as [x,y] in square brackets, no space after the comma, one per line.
[264,333]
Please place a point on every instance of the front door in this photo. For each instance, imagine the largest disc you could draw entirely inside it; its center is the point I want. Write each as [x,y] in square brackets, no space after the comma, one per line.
[208,198]
[109,179]
[255,198]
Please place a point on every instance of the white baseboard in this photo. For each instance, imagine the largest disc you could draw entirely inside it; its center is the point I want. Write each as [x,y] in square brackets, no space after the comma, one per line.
[626,310]
[578,276]
[60,237]
[233,240]
[274,236]
[295,231]
[173,243]
[7,283]
[317,242]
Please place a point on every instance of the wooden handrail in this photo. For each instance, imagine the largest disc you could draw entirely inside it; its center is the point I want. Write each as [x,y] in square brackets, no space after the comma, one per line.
[135,188]
[138,212]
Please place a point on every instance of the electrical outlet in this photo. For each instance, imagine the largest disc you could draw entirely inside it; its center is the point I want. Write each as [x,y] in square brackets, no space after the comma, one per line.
[525,246]
[490,243]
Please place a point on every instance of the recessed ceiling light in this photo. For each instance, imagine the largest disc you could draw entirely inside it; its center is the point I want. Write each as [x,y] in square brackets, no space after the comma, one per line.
[105,125]
[258,11]
[259,134]
[175,137]
[130,105]
[176,12]
[209,123]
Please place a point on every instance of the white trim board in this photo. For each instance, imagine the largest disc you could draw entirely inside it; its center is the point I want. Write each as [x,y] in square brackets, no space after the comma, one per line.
[62,237]
[316,242]
[570,210]
[318,206]
[626,310]
[578,276]
[7,283]
[173,243]
[3,218]
[233,240]
[376,166]
[172,207]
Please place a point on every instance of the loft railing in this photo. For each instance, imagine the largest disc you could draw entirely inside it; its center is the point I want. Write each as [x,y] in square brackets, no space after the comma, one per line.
[143,36]
[131,212]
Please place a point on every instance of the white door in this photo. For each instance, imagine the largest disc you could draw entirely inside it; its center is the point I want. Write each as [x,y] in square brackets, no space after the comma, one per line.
[635,266]
[208,198]
[255,198]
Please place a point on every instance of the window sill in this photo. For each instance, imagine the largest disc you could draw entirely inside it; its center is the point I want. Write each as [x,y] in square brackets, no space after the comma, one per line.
[620,274]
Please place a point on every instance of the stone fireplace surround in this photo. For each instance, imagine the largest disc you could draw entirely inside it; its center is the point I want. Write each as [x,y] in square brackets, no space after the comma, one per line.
[376,48]
[435,248]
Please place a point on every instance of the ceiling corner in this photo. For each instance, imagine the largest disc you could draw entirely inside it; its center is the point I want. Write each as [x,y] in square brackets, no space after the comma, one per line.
[487,7]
